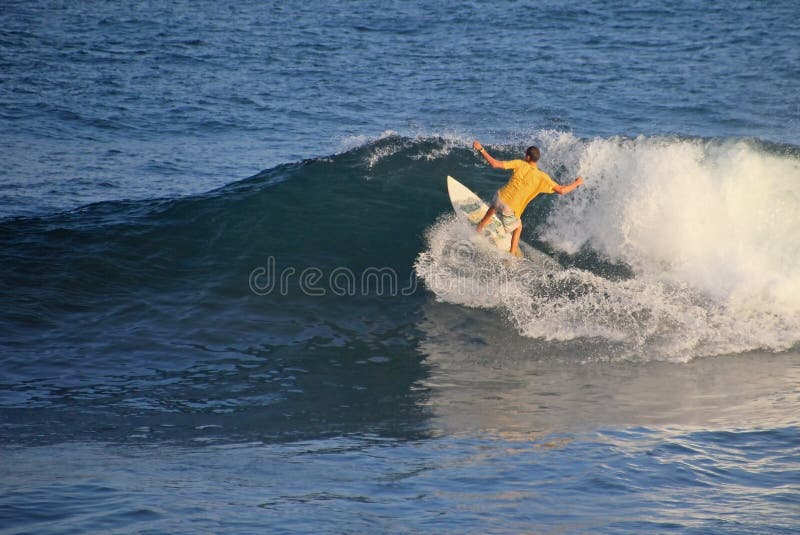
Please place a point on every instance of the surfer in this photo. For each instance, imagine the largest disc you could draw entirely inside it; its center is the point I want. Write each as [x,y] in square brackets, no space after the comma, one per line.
[526,182]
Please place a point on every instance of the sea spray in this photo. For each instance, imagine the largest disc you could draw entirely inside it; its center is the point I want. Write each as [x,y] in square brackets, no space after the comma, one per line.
[707,228]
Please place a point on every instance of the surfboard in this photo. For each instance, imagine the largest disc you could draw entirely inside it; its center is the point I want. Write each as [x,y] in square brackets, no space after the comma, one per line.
[468,205]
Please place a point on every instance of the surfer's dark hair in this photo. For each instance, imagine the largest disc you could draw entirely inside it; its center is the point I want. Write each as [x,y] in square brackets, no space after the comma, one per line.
[533,153]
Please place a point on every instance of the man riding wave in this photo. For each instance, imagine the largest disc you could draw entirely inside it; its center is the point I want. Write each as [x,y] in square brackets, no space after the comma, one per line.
[526,182]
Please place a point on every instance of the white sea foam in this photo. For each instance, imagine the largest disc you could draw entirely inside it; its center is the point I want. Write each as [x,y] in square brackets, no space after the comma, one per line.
[440,146]
[709,229]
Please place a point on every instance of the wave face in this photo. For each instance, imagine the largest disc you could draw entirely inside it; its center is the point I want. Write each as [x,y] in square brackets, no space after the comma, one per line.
[675,249]
[703,230]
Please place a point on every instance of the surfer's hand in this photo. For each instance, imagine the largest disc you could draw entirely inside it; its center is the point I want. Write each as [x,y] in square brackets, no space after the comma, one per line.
[579,181]
[477,145]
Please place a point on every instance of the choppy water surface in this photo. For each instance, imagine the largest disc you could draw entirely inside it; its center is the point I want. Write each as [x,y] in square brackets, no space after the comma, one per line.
[321,347]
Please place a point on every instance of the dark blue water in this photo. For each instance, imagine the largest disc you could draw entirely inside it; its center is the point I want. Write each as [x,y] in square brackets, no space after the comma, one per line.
[234,299]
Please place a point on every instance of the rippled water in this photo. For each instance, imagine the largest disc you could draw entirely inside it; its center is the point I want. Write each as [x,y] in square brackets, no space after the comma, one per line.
[120,99]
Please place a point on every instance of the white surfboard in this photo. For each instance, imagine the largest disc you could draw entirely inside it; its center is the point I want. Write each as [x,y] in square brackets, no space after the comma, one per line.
[467,204]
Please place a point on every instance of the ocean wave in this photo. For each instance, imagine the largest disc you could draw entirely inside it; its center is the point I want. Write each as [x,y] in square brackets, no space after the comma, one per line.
[706,227]
[675,248]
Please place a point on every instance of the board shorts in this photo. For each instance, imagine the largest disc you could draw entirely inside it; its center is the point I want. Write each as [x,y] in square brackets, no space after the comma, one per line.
[505,214]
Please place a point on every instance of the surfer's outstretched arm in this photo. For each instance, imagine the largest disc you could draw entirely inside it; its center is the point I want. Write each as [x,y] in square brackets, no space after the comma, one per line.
[561,190]
[497,164]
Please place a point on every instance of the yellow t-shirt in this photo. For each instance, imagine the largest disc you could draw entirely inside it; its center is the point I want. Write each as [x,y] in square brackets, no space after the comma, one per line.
[526,183]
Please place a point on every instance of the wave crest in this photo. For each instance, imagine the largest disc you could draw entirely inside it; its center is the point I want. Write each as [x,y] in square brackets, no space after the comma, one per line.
[708,229]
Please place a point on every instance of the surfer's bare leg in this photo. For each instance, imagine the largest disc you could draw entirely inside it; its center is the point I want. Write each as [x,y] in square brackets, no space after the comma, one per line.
[515,240]
[485,221]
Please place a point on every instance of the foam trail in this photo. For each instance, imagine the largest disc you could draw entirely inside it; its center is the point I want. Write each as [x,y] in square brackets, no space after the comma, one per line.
[708,228]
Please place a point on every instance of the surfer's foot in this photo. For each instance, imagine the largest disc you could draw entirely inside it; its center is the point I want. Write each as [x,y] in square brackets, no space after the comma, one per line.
[516,252]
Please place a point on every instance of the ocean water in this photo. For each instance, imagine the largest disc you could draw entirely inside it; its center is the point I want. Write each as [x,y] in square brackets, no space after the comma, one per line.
[235,299]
